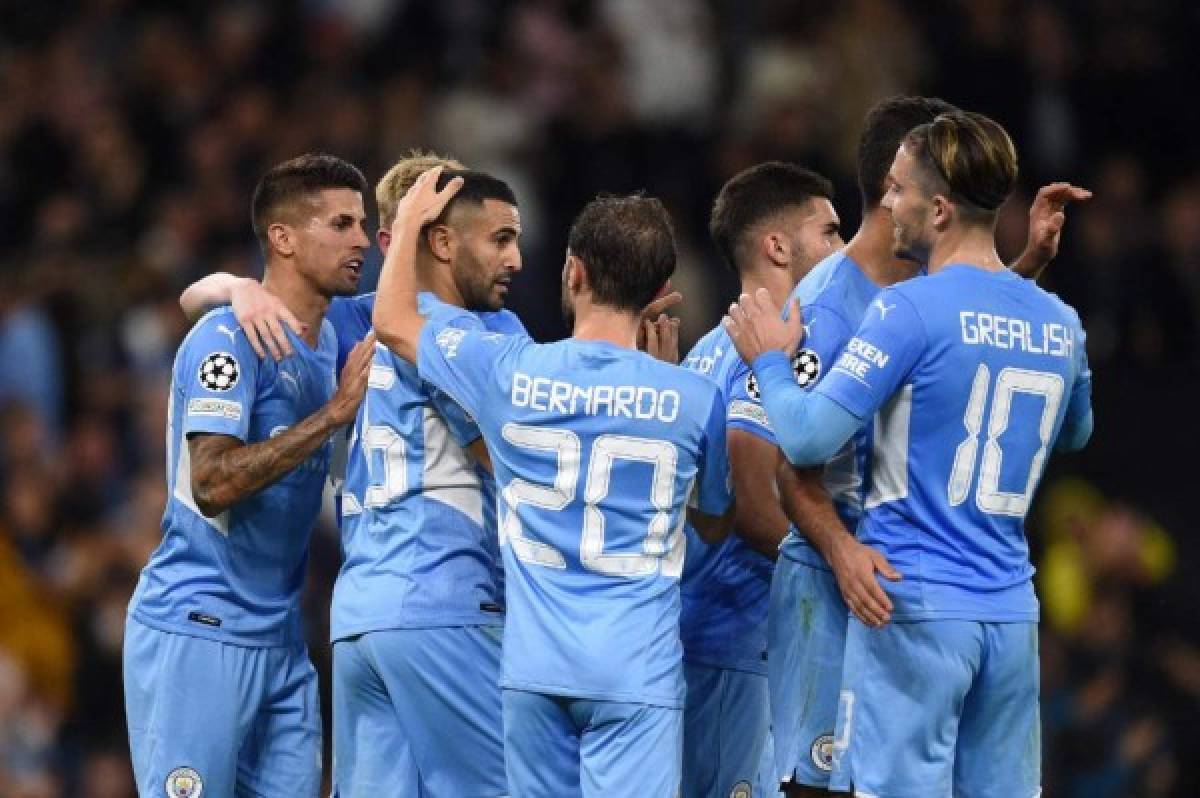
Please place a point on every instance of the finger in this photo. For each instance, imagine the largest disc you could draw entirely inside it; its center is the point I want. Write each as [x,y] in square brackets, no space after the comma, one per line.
[290,320]
[651,337]
[872,598]
[884,567]
[738,314]
[731,327]
[451,188]
[764,303]
[253,335]
[282,344]
[664,302]
[795,322]
[262,329]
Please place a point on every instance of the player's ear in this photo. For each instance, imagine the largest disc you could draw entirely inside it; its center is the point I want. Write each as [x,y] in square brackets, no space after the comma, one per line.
[441,241]
[943,211]
[282,239]
[576,277]
[777,248]
[384,237]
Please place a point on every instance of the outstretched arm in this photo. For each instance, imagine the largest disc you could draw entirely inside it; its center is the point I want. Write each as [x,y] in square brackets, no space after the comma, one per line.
[397,321]
[261,313]
[1046,219]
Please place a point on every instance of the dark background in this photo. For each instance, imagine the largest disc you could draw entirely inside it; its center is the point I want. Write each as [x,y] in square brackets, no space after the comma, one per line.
[131,135]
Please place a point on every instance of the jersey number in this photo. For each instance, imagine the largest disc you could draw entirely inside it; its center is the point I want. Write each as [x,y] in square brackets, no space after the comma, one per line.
[565,446]
[1010,381]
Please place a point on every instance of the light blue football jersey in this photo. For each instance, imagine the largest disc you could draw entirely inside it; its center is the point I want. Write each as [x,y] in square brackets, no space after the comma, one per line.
[833,299]
[237,577]
[416,550]
[972,374]
[726,588]
[596,450]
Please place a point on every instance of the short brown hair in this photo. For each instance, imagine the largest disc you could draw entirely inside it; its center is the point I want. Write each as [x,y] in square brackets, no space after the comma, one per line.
[969,158]
[396,182]
[628,247]
[299,179]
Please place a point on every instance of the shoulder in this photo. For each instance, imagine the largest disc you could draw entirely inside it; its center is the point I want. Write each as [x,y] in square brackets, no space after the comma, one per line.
[502,321]
[217,329]
[360,306]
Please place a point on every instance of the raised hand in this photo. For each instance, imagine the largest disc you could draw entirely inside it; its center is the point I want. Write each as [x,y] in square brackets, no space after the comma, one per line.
[262,316]
[423,202]
[1047,215]
[755,325]
[660,338]
[352,385]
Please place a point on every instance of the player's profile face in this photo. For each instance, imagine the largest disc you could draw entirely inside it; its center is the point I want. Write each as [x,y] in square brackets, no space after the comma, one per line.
[909,206]
[814,229]
[488,252]
[331,240]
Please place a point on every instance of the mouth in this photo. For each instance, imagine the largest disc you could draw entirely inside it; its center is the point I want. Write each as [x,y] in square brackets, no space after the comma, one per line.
[354,266]
[502,285]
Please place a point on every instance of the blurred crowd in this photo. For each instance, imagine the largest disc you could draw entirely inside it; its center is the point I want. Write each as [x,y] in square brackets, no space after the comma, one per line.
[132,132]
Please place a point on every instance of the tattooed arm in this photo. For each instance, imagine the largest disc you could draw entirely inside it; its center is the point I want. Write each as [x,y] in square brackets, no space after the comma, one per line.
[225,471]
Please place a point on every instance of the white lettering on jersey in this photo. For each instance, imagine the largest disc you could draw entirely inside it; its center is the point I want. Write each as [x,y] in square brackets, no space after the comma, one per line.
[1006,332]
[618,401]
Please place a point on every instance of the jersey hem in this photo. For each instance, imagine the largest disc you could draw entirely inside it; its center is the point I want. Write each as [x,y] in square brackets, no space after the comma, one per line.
[592,695]
[383,625]
[201,631]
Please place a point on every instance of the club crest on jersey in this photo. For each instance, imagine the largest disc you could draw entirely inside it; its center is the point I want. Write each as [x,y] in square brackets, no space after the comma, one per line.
[822,752]
[219,371]
[807,367]
[449,339]
[740,790]
[184,783]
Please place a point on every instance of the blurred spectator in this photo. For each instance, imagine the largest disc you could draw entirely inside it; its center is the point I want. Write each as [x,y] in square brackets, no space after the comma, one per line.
[131,135]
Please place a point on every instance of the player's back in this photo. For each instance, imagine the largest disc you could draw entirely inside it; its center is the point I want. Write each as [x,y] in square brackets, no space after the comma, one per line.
[962,443]
[726,586]
[237,577]
[596,456]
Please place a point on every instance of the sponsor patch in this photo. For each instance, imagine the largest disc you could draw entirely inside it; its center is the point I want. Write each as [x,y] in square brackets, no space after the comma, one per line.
[221,408]
[822,752]
[741,410]
[219,372]
[204,618]
[184,783]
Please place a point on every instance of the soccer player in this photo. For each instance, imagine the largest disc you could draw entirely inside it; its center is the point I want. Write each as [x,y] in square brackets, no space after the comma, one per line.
[822,568]
[596,448]
[772,223]
[220,695]
[976,374]
[417,616]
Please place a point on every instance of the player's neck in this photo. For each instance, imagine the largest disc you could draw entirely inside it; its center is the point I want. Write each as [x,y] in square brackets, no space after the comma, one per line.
[438,278]
[602,323]
[300,297]
[777,281]
[873,248]
[975,246]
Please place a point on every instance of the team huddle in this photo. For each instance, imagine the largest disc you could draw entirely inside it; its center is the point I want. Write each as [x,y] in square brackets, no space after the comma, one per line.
[791,562]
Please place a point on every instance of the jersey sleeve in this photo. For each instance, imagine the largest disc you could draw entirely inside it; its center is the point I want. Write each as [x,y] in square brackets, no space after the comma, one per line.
[460,422]
[878,358]
[745,411]
[713,491]
[462,362]
[1077,422]
[217,378]
[350,317]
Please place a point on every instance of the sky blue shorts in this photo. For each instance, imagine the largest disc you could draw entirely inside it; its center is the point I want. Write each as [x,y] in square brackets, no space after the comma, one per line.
[416,712]
[939,708]
[220,719]
[726,733]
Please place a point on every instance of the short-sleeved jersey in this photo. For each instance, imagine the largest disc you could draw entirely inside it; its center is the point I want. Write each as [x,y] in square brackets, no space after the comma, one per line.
[596,449]
[237,577]
[725,590]
[833,298]
[971,374]
[418,550]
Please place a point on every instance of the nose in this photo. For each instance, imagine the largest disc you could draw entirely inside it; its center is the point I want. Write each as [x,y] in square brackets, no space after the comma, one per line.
[515,264]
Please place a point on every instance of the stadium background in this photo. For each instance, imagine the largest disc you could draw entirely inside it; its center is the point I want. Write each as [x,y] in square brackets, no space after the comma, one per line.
[131,134]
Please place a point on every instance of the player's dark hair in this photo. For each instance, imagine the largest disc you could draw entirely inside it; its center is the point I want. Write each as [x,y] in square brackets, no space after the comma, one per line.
[476,187]
[884,129]
[759,193]
[299,180]
[967,157]
[628,247]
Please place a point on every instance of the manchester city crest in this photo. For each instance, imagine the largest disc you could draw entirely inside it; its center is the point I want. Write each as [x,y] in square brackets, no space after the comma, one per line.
[740,790]
[184,783]
[822,752]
